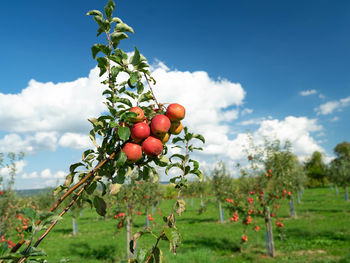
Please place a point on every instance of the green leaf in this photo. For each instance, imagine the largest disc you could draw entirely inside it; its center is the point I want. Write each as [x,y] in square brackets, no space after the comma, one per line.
[116,37]
[120,178]
[74,166]
[178,156]
[128,115]
[121,159]
[177,139]
[103,65]
[146,97]
[199,137]
[158,255]
[173,236]
[142,255]
[91,188]
[198,173]
[139,87]
[109,9]
[136,58]
[58,190]
[178,165]
[134,77]
[122,27]
[69,179]
[100,205]
[116,20]
[187,169]
[94,13]
[100,48]
[122,100]
[92,137]
[195,164]
[173,180]
[87,153]
[124,133]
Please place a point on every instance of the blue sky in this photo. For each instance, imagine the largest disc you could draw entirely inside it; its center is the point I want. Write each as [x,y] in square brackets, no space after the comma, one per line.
[258,55]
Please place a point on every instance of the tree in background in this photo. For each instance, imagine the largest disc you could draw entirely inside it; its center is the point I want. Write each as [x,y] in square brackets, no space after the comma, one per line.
[340,166]
[8,200]
[222,184]
[316,169]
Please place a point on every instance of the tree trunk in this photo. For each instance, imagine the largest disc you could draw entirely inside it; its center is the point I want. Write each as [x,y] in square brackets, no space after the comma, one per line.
[270,247]
[128,236]
[331,187]
[222,219]
[298,198]
[147,220]
[153,209]
[201,196]
[191,201]
[292,207]
[336,190]
[346,193]
[75,226]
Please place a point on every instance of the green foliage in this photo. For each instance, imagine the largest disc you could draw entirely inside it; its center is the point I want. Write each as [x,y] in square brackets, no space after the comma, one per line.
[339,172]
[315,168]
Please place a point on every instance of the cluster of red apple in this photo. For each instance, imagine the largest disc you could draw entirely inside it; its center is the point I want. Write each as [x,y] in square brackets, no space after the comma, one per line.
[9,242]
[150,218]
[149,136]
[119,215]
[1,192]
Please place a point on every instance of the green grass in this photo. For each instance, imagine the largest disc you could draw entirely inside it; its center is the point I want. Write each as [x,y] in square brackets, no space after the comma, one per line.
[320,233]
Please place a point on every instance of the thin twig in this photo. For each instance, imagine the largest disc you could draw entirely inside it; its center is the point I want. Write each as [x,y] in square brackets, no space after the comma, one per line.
[150,87]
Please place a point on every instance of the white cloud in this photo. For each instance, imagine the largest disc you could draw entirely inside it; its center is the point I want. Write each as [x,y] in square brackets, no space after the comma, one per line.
[321,96]
[330,106]
[246,111]
[29,144]
[75,141]
[48,174]
[52,106]
[255,121]
[30,176]
[334,119]
[308,92]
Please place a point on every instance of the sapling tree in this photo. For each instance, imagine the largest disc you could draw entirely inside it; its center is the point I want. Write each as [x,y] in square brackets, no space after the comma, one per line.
[122,135]
[221,185]
[264,183]
[340,166]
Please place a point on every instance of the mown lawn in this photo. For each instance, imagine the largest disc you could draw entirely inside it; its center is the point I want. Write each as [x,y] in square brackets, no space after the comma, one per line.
[320,233]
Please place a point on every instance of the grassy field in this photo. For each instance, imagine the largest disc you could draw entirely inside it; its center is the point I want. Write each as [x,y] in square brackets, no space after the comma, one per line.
[320,233]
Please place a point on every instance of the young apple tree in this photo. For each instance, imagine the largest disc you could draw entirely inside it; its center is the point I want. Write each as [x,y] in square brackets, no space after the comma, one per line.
[129,137]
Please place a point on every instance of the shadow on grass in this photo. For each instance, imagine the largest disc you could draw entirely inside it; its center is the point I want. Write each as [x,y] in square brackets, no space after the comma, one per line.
[196,220]
[223,246]
[64,231]
[84,250]
[308,235]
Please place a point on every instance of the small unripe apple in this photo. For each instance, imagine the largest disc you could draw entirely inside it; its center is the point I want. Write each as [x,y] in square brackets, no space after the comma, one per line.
[140,131]
[165,138]
[175,112]
[139,112]
[133,151]
[176,127]
[160,124]
[152,146]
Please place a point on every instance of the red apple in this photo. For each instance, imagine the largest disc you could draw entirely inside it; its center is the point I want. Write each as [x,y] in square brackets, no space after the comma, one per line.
[139,112]
[133,151]
[152,146]
[175,112]
[140,131]
[160,124]
[176,127]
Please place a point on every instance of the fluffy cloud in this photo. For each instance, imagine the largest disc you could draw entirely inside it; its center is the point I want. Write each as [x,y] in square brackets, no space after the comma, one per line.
[59,107]
[295,129]
[330,106]
[308,92]
[75,141]
[29,143]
